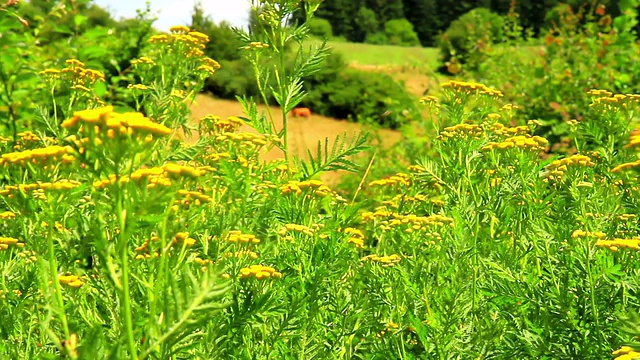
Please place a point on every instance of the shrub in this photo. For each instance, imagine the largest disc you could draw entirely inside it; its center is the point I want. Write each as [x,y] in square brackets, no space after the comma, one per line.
[400,32]
[578,54]
[469,37]
[320,28]
[377,38]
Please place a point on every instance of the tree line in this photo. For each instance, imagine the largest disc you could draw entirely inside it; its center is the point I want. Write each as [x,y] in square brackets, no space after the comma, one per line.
[356,19]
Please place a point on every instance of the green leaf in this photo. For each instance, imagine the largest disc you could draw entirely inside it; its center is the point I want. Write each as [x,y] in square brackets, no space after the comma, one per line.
[79,20]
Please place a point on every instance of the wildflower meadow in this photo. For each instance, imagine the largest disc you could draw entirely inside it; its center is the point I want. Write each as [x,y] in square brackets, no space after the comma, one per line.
[130,231]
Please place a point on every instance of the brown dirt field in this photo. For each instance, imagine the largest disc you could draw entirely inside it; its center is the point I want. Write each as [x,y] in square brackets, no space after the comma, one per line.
[303,133]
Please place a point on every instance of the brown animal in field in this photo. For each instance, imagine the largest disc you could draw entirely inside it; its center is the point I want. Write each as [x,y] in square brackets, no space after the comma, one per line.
[304,112]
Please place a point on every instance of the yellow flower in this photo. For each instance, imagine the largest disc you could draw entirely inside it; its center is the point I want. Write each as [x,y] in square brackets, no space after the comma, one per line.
[259,272]
[179,29]
[236,236]
[626,353]
[72,281]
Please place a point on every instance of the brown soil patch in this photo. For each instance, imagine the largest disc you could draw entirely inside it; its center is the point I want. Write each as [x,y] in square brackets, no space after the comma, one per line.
[304,134]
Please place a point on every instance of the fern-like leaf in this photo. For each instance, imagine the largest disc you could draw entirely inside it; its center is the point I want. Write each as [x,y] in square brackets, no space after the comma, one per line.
[344,147]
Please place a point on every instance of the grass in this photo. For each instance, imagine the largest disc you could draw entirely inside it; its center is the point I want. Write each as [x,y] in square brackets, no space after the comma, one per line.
[368,54]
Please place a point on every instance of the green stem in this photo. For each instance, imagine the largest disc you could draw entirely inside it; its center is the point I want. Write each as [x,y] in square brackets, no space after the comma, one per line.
[124,259]
[53,272]
[12,116]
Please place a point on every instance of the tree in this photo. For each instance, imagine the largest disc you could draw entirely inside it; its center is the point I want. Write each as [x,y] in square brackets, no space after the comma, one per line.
[224,44]
[423,14]
[366,23]
[400,32]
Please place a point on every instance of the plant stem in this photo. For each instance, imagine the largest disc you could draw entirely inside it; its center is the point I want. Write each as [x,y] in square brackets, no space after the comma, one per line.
[53,272]
[124,259]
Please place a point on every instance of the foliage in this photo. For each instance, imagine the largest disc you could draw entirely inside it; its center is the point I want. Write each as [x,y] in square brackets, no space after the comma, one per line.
[120,240]
[469,38]
[432,17]
[400,32]
[320,28]
[585,50]
[358,95]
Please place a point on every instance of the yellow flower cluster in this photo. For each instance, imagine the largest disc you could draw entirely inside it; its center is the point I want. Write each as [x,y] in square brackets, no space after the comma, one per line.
[144,60]
[608,100]
[316,187]
[215,124]
[58,226]
[115,123]
[246,138]
[471,88]
[39,186]
[259,272]
[397,179]
[3,295]
[139,87]
[461,130]
[430,100]
[626,166]
[77,73]
[71,281]
[634,139]
[181,238]
[509,107]
[356,237]
[530,143]
[5,242]
[500,129]
[236,236]
[623,217]
[418,198]
[298,228]
[557,168]
[209,65]
[7,215]
[616,244]
[181,35]
[387,220]
[583,233]
[386,261]
[218,156]
[155,175]
[626,353]
[192,197]
[202,262]
[28,136]
[29,256]
[55,154]
[256,45]
[242,253]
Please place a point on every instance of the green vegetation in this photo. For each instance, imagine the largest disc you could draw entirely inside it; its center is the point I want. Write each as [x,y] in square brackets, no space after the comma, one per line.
[367,54]
[482,234]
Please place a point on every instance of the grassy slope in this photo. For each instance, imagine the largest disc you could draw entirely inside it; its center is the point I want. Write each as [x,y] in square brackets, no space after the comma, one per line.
[367,54]
[385,55]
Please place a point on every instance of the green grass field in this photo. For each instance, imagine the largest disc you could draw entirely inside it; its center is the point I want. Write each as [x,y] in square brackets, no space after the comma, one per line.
[367,54]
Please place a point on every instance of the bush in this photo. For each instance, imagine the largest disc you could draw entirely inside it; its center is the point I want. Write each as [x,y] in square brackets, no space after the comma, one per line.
[579,55]
[468,38]
[377,38]
[234,78]
[357,95]
[320,28]
[400,32]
